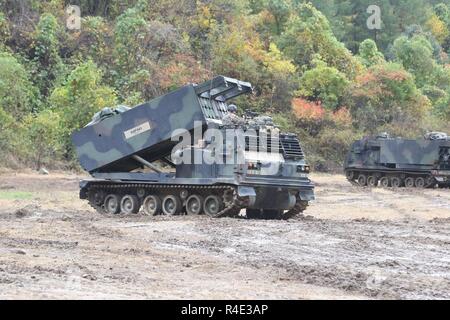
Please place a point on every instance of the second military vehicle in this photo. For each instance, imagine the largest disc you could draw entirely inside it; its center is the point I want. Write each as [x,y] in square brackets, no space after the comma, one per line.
[397,162]
[123,151]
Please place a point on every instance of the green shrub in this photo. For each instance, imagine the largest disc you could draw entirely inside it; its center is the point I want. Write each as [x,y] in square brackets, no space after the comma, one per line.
[7,124]
[41,137]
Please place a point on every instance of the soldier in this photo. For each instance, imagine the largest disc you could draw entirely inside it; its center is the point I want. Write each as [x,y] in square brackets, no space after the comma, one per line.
[232,118]
[447,158]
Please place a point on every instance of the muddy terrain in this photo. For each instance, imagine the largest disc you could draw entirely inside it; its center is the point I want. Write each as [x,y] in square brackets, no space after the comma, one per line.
[352,243]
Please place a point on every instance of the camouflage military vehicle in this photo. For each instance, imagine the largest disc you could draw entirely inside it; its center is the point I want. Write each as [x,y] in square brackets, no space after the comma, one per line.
[399,162]
[124,150]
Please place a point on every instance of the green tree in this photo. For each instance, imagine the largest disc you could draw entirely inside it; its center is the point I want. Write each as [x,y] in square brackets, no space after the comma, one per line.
[48,63]
[80,97]
[7,136]
[234,53]
[239,52]
[325,84]
[442,11]
[129,31]
[349,20]
[438,28]
[442,107]
[18,96]
[307,34]
[369,54]
[280,11]
[416,56]
[5,33]
[386,94]
[93,42]
[144,51]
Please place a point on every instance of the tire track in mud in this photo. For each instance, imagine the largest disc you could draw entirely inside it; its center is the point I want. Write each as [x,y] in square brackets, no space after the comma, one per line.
[127,256]
[379,198]
[368,259]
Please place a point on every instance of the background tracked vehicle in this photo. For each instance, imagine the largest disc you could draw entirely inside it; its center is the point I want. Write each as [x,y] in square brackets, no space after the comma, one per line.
[397,162]
[120,150]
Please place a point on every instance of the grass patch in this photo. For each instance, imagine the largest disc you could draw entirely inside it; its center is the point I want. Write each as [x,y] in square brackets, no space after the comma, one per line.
[15,195]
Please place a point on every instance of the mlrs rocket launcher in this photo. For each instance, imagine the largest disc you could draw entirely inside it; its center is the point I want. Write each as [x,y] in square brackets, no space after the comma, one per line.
[258,169]
[398,162]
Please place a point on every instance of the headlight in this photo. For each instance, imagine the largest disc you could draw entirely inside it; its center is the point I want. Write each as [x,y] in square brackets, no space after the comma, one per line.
[253,166]
[303,169]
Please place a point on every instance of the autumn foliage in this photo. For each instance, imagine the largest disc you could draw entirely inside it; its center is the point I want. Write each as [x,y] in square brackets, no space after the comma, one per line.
[307,110]
[314,66]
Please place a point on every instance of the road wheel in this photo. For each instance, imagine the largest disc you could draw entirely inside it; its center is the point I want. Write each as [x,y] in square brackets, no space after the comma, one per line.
[212,205]
[396,182]
[372,181]
[112,204]
[362,180]
[419,182]
[130,204]
[152,205]
[385,182]
[409,182]
[194,204]
[171,205]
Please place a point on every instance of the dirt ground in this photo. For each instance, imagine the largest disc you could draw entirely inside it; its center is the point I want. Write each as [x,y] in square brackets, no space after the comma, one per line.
[353,243]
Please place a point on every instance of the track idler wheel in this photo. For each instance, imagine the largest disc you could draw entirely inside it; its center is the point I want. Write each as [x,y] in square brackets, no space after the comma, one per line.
[213,205]
[194,204]
[171,205]
[152,205]
[350,175]
[130,204]
[112,204]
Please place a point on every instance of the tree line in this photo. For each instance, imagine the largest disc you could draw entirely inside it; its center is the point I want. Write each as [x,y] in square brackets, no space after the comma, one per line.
[316,66]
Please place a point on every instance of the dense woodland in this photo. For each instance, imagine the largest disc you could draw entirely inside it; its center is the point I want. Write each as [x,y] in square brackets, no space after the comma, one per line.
[315,65]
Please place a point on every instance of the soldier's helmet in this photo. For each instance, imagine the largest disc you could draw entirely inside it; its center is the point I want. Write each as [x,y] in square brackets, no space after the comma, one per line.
[232,108]
[383,135]
[436,136]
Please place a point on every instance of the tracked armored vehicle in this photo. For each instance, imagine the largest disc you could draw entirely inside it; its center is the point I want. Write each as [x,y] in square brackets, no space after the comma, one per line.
[397,162]
[155,158]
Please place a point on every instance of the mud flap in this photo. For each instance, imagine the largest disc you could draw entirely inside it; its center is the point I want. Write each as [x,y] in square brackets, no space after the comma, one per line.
[83,189]
[248,192]
[268,198]
[306,195]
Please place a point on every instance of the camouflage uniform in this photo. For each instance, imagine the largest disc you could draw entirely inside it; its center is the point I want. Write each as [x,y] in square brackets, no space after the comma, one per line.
[232,119]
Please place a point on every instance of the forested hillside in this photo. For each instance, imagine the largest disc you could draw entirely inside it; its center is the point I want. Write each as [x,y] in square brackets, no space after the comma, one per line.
[316,66]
